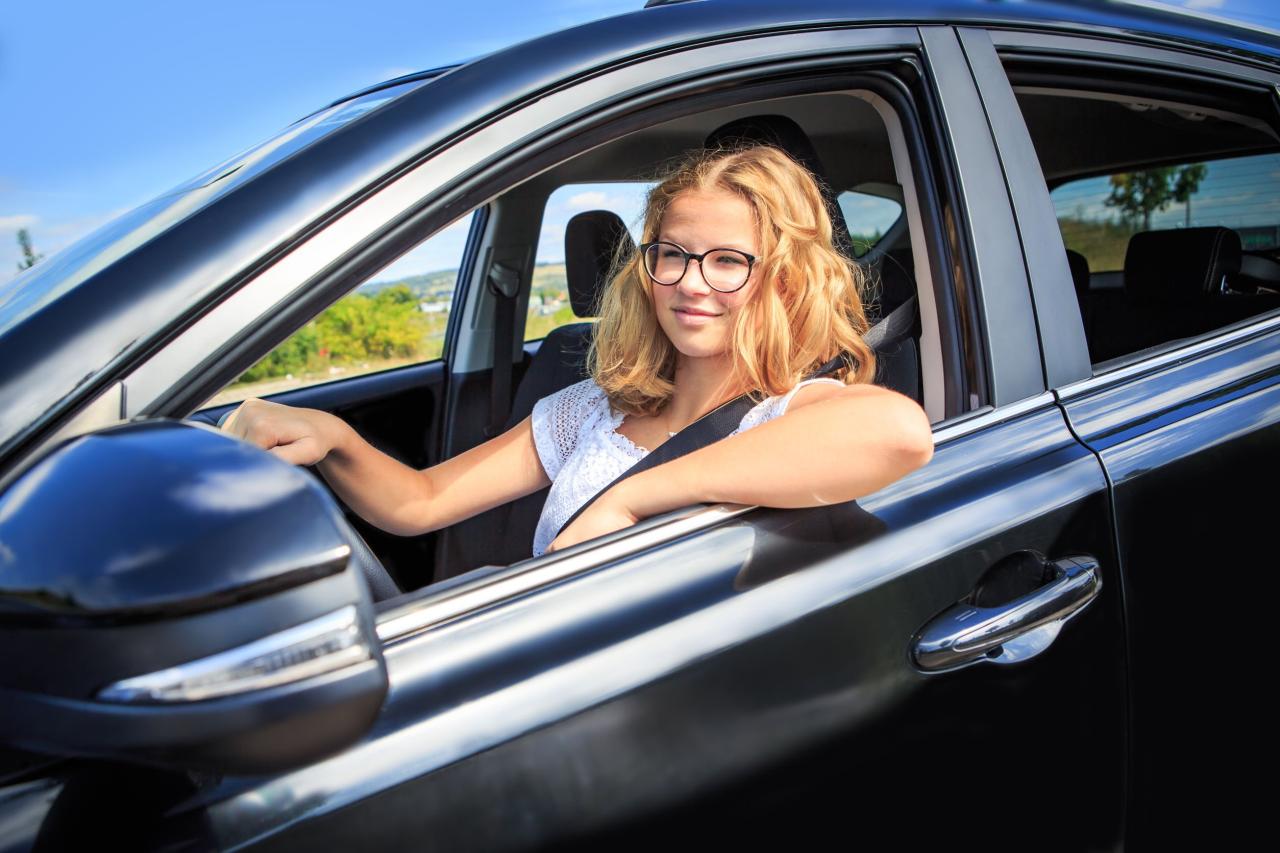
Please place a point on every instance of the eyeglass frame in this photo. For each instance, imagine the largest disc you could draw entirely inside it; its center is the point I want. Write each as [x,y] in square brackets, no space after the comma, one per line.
[689,256]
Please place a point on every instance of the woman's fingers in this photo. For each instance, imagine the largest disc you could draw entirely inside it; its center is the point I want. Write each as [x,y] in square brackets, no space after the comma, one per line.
[303,451]
[291,433]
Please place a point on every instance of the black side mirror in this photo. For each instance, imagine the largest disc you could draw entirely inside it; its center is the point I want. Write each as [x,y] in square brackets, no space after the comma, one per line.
[173,596]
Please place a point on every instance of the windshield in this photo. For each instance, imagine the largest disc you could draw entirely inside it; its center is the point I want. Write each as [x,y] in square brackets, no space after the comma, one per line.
[46,281]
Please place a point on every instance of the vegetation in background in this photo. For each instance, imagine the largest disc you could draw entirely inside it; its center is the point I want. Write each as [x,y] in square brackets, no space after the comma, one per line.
[29,256]
[1137,195]
[390,324]
[358,329]
[862,243]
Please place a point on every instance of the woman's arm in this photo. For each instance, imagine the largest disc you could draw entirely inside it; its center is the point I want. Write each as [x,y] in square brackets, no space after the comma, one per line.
[408,502]
[385,492]
[832,445]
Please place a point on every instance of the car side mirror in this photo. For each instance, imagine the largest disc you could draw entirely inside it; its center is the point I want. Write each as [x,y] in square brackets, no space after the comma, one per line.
[174,596]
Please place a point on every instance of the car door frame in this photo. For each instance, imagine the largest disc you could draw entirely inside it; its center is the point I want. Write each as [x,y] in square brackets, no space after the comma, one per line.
[1147,411]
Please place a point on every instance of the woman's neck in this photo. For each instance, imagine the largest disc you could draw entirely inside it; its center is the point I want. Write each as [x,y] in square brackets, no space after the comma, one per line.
[701,384]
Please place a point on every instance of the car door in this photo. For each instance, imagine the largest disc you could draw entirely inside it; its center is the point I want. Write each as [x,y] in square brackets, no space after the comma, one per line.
[881,667]
[741,673]
[1186,420]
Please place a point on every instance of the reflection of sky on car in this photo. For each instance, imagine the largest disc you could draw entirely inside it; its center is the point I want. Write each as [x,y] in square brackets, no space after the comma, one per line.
[1239,193]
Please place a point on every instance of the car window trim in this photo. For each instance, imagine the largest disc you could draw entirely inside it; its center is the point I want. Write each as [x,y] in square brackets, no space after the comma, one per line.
[1000,284]
[1018,43]
[1063,347]
[1170,354]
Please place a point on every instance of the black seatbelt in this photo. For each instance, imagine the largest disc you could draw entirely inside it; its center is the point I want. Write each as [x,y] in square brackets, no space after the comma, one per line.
[724,419]
[504,283]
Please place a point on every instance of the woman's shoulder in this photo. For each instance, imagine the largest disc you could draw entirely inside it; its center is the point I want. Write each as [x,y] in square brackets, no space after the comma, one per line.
[772,407]
[573,404]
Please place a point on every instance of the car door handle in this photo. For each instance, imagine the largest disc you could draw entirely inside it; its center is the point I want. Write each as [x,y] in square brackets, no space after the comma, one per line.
[966,634]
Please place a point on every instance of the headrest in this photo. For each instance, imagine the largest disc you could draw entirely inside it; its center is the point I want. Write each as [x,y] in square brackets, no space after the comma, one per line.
[590,240]
[1179,265]
[784,133]
[1079,265]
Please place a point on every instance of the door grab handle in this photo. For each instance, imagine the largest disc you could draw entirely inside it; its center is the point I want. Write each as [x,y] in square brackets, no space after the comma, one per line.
[965,634]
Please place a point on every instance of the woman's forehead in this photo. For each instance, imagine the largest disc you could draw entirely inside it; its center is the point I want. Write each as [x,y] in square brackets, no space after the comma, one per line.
[714,216]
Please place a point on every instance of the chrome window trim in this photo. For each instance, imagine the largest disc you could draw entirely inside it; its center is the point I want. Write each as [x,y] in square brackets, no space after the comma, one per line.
[1167,358]
[430,610]
[189,352]
[434,609]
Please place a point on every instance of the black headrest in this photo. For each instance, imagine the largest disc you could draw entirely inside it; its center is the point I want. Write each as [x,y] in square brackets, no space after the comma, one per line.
[590,240]
[1079,265]
[1179,265]
[784,133]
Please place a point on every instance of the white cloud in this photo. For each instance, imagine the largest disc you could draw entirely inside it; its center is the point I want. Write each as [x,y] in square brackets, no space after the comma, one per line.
[588,200]
[1204,4]
[22,220]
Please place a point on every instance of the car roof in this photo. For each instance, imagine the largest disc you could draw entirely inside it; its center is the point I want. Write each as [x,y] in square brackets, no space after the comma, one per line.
[1137,18]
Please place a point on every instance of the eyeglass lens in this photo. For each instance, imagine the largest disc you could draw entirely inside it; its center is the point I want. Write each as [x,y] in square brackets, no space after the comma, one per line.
[723,269]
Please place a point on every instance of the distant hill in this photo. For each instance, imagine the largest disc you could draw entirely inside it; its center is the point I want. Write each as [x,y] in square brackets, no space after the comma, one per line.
[437,284]
[440,283]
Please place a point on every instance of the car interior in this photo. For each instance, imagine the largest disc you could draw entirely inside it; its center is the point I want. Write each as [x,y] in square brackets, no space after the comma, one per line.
[425,413]
[1183,274]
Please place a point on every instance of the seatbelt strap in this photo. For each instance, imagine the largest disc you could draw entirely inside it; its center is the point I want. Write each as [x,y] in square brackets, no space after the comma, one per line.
[723,420]
[504,283]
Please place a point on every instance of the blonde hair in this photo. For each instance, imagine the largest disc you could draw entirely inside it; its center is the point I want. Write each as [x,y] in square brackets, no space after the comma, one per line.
[805,309]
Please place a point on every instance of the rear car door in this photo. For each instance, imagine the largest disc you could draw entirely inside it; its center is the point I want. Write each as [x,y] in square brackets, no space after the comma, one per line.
[732,673]
[1178,307]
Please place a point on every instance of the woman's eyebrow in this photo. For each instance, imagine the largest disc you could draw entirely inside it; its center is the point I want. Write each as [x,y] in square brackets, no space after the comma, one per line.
[667,238]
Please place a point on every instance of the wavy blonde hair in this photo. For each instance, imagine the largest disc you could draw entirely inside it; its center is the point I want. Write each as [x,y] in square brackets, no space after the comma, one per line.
[806,308]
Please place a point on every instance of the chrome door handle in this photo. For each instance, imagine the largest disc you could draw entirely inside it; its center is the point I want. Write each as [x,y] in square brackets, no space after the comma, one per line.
[966,634]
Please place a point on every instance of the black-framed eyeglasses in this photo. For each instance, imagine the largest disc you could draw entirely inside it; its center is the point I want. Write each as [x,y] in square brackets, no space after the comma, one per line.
[725,270]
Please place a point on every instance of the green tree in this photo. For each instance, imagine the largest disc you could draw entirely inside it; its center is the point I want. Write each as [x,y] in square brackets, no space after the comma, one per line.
[1137,195]
[29,256]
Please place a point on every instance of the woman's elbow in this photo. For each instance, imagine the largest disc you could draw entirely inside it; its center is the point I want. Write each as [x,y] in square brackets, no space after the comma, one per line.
[914,436]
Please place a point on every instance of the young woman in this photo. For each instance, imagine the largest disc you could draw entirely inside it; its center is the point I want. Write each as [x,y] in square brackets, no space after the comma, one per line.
[736,288]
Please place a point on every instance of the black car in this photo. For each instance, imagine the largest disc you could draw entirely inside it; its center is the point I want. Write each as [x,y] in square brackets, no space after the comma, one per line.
[1072,217]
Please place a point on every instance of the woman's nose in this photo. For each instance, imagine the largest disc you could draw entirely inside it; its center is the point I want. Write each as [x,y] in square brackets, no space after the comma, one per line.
[694,285]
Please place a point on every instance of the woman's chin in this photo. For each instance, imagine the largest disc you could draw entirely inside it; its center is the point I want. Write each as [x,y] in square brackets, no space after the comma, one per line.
[693,349]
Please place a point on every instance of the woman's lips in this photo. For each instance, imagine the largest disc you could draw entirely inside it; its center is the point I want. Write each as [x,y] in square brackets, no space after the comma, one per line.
[692,317]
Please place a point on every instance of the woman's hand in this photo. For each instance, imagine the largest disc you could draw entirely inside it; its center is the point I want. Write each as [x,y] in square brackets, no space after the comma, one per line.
[297,435]
[605,515]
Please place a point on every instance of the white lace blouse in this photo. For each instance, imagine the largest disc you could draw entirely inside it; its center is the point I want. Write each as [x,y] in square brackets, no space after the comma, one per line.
[575,431]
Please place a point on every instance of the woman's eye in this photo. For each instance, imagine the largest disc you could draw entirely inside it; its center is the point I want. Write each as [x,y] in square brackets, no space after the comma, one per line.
[731,261]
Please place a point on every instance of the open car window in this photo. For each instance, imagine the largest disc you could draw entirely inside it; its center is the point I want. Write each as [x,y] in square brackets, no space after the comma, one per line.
[397,317]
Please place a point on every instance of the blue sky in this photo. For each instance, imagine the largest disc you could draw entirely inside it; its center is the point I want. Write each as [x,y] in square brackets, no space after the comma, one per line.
[107,105]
